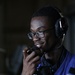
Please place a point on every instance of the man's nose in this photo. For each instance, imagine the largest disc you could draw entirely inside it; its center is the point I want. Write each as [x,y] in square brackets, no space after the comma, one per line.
[35,38]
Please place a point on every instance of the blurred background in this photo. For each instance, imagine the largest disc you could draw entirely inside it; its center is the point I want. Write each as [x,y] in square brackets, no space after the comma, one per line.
[15,17]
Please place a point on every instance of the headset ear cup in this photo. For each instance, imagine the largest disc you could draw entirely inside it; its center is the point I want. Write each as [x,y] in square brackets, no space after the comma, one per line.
[64,25]
[58,29]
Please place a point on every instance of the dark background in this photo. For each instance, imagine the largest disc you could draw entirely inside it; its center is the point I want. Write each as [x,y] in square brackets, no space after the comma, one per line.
[15,17]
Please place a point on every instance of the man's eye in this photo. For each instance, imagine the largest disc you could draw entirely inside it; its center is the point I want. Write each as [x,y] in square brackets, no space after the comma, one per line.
[40,32]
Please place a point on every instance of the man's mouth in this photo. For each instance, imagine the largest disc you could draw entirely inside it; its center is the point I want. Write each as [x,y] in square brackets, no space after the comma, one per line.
[39,45]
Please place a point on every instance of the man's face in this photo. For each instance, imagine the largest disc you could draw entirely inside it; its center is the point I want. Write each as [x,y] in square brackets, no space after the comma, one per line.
[44,35]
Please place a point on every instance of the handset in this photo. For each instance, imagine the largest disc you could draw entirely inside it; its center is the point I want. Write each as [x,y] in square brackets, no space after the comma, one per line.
[37,50]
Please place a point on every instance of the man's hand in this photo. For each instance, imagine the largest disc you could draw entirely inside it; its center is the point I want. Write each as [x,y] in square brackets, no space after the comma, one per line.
[30,62]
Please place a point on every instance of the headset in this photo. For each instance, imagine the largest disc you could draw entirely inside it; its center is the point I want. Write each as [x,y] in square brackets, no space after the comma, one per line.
[61,26]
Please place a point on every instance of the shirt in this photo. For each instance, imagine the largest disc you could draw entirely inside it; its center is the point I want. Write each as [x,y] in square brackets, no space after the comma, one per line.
[65,65]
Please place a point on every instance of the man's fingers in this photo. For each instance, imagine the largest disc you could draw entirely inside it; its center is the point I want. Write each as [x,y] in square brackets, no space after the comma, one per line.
[25,52]
[30,56]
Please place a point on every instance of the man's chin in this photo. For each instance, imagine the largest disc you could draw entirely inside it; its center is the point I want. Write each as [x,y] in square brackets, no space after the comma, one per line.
[46,48]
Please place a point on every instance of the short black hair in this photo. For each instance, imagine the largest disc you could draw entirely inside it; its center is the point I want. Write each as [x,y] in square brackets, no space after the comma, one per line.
[49,11]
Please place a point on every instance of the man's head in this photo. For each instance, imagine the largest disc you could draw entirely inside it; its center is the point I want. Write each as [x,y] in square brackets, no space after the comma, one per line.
[43,27]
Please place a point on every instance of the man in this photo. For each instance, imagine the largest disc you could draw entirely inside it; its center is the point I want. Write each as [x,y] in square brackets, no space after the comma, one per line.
[48,28]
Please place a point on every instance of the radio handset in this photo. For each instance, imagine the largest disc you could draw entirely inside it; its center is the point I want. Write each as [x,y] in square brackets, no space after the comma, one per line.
[37,50]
